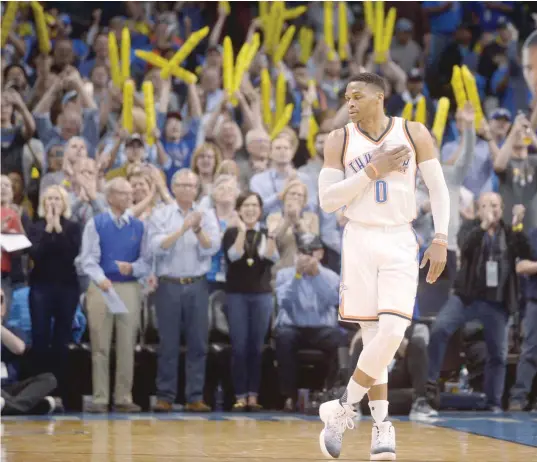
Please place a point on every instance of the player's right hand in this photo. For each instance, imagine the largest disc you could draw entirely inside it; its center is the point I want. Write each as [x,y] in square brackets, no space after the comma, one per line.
[385,161]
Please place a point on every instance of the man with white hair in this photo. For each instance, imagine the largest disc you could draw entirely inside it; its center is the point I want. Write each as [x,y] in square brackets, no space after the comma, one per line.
[257,143]
[112,256]
[183,241]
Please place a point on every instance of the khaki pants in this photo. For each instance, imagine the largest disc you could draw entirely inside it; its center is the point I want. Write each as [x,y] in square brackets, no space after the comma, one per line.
[101,323]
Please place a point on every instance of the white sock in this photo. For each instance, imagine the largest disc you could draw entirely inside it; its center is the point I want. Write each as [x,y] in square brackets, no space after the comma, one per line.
[354,393]
[379,410]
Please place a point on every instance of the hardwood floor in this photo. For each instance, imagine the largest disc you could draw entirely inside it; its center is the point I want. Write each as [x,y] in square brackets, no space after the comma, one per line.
[145,438]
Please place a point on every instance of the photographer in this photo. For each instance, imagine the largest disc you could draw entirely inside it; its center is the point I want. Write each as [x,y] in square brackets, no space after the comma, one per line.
[485,289]
[307,295]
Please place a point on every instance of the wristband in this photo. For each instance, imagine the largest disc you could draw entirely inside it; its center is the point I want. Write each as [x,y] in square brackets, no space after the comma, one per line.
[518,228]
[441,242]
[375,170]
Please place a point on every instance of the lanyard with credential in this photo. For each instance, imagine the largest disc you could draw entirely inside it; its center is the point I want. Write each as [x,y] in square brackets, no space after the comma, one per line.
[492,276]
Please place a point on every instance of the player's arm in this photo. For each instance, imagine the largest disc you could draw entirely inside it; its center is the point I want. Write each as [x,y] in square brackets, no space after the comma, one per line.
[433,176]
[334,190]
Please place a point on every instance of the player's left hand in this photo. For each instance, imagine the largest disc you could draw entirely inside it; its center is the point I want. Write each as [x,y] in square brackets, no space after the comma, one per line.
[436,255]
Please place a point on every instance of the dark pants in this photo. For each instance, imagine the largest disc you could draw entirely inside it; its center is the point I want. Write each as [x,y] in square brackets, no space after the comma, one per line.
[290,339]
[52,309]
[527,363]
[411,371]
[182,306]
[453,315]
[27,397]
[249,320]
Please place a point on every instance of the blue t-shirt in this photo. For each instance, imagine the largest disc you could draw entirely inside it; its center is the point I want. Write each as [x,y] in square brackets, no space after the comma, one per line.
[446,22]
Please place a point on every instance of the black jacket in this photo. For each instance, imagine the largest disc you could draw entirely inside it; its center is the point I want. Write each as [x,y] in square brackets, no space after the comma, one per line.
[470,241]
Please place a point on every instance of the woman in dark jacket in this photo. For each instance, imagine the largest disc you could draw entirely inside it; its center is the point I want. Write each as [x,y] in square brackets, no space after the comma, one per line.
[54,289]
[250,253]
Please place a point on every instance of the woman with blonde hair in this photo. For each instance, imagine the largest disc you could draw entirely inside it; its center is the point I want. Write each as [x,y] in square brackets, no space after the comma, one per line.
[54,287]
[294,220]
[205,162]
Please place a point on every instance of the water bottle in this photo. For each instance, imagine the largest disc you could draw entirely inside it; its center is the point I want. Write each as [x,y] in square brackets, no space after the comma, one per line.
[219,398]
[464,386]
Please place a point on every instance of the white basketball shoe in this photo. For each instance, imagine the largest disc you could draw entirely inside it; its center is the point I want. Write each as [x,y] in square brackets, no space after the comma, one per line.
[383,441]
[337,418]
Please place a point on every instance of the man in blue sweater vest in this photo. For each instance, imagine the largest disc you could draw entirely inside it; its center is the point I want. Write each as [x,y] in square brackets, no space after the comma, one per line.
[113,258]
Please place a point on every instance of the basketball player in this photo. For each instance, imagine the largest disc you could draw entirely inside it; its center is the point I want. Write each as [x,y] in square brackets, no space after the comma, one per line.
[370,168]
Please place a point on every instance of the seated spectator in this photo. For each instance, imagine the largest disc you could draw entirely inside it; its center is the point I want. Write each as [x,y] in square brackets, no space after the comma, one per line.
[113,258]
[307,296]
[250,253]
[183,241]
[526,369]
[54,288]
[517,171]
[271,183]
[30,396]
[485,289]
[293,221]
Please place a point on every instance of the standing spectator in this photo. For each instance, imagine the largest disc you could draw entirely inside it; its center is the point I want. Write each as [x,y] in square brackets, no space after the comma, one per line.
[224,199]
[86,201]
[11,224]
[500,124]
[250,253]
[113,258]
[15,137]
[54,289]
[75,119]
[314,165]
[527,364]
[205,162]
[183,241]
[307,295]
[271,183]
[404,50]
[517,172]
[75,150]
[485,289]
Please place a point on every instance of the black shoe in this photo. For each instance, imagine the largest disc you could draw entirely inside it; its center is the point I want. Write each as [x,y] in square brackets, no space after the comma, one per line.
[46,406]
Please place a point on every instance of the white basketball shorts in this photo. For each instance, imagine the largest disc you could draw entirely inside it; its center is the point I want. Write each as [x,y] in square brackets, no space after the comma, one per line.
[379,273]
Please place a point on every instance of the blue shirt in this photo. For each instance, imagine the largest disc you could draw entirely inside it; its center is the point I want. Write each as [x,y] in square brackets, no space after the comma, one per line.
[186,257]
[270,183]
[308,301]
[446,22]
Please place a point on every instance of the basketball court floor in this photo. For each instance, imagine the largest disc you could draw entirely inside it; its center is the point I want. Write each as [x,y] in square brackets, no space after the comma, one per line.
[259,438]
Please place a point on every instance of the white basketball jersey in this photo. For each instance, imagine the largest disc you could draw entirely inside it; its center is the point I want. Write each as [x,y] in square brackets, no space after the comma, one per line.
[390,201]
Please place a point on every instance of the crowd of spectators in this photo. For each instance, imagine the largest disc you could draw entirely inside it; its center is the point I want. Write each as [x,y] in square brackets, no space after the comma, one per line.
[217,208]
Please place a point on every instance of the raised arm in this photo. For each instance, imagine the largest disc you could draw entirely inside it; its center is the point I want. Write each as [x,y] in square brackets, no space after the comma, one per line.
[431,170]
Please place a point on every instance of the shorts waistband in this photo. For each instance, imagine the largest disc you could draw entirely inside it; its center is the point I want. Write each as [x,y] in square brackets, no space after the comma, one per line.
[383,228]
